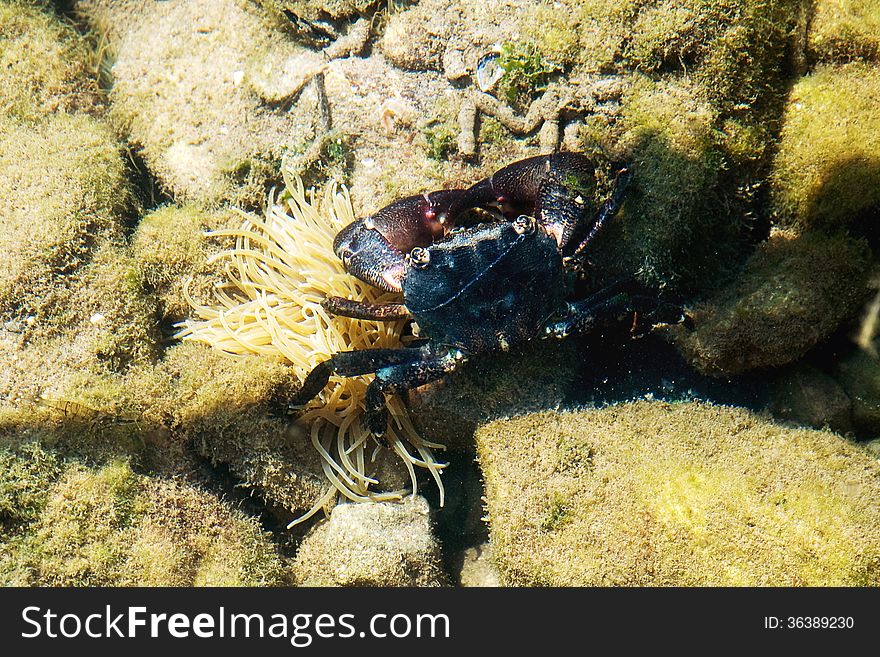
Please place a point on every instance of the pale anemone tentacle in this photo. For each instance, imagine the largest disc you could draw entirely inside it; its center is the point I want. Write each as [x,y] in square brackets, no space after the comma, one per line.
[279,269]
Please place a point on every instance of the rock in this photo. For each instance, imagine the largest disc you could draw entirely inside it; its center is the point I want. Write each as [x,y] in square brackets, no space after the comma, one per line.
[807,395]
[843,31]
[382,544]
[827,172]
[64,197]
[873,448]
[668,137]
[44,64]
[859,375]
[27,471]
[322,10]
[233,412]
[63,187]
[691,494]
[792,293]
[186,92]
[108,526]
[171,253]
[477,569]
[534,377]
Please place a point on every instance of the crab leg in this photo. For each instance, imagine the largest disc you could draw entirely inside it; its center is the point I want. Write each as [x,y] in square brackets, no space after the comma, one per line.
[381,312]
[352,363]
[396,379]
[396,370]
[606,212]
[610,304]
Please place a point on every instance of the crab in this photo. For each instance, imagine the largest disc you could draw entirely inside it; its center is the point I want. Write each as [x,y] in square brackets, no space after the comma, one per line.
[478,288]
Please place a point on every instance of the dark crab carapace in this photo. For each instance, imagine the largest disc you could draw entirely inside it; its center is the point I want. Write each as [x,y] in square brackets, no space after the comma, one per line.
[478,288]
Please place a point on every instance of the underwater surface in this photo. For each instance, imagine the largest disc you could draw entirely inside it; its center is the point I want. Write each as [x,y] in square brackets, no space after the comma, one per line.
[173,178]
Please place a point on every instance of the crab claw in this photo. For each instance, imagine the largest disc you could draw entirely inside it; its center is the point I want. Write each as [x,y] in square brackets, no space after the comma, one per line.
[368,255]
[556,189]
[373,248]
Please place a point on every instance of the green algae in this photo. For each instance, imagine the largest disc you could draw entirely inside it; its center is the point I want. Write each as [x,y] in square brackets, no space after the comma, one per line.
[63,188]
[441,141]
[553,28]
[26,471]
[109,526]
[792,293]
[45,66]
[685,494]
[827,170]
[844,30]
[526,72]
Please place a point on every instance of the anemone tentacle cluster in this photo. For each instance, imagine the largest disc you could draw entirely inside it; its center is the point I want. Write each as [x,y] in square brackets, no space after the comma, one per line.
[279,270]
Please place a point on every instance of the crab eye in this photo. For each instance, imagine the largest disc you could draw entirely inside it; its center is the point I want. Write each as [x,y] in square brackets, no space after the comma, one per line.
[419,257]
[523,224]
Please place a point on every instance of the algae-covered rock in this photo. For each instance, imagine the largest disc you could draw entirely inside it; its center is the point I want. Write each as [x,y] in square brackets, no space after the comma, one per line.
[792,293]
[477,568]
[45,66]
[233,412]
[736,49]
[186,93]
[669,141]
[535,377]
[171,255]
[859,375]
[807,395]
[26,471]
[844,30]
[63,187]
[109,526]
[827,170]
[382,544]
[649,493]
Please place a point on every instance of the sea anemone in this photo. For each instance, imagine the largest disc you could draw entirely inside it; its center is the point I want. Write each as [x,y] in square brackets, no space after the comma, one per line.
[280,269]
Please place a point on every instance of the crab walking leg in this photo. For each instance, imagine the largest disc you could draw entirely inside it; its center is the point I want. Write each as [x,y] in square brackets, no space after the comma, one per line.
[400,378]
[352,363]
[604,307]
[606,212]
[381,312]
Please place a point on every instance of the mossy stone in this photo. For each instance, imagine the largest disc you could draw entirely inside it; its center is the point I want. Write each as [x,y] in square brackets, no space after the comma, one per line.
[109,526]
[170,253]
[45,66]
[26,471]
[859,375]
[844,30]
[827,170]
[63,187]
[693,494]
[792,293]
[669,141]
